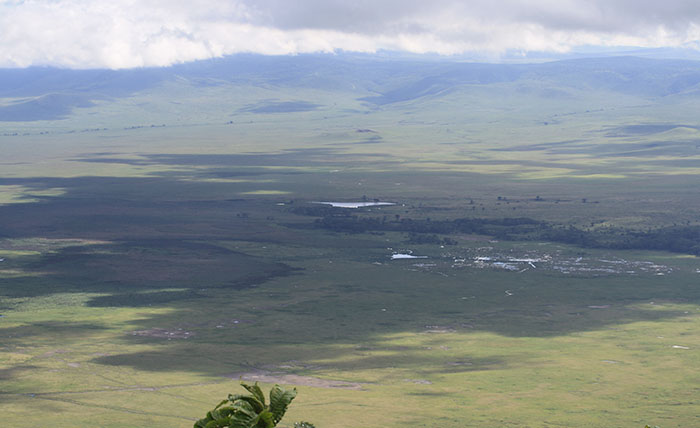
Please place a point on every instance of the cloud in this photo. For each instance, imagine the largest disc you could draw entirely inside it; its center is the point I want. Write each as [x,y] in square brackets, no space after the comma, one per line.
[129,33]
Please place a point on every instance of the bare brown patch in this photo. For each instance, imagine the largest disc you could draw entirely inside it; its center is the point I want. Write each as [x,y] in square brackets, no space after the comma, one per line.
[265,376]
[163,333]
[419,381]
[459,363]
[54,352]
[438,329]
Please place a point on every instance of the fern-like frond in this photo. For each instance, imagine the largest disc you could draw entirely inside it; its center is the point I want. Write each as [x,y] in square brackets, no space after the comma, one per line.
[241,420]
[202,423]
[250,411]
[244,407]
[255,390]
[280,399]
[265,420]
[257,405]
[221,404]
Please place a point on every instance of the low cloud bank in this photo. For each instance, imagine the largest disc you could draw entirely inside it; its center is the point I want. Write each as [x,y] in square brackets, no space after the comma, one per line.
[128,33]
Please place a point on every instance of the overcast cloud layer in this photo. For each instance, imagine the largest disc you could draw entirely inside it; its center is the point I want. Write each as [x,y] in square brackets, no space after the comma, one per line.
[136,33]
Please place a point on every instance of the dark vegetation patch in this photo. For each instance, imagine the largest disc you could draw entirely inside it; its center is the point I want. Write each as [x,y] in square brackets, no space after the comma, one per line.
[678,239]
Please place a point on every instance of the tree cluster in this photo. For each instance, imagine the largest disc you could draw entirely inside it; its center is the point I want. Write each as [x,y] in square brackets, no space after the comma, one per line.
[677,239]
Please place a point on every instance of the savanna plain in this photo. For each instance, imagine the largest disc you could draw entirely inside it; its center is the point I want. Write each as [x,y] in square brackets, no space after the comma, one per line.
[163,237]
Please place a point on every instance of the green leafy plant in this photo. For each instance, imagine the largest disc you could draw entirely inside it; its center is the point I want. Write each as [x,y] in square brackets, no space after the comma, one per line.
[250,410]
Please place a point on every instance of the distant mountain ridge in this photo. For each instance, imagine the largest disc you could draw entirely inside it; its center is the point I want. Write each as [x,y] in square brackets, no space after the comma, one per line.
[43,93]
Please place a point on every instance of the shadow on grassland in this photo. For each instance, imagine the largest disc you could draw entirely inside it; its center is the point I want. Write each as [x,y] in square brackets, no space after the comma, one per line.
[349,328]
[250,358]
[141,273]
[163,245]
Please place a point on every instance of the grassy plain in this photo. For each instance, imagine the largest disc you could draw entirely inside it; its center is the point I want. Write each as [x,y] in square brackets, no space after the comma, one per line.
[147,268]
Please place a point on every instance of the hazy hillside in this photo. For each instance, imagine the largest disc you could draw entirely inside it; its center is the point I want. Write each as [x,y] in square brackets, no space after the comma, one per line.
[48,94]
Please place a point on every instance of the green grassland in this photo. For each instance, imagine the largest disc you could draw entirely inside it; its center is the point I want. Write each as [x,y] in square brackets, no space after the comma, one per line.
[436,344]
[146,269]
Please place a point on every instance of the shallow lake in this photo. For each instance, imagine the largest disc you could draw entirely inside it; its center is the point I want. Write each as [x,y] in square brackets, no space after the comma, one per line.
[406,256]
[355,204]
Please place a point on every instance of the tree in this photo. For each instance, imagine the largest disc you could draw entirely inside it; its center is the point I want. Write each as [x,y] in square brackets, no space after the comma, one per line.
[250,410]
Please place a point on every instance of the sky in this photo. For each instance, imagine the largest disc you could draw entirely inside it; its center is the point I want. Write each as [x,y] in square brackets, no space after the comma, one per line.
[146,33]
